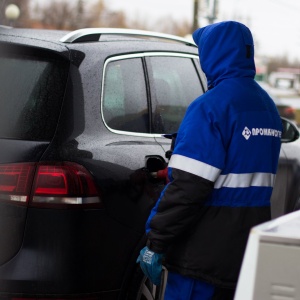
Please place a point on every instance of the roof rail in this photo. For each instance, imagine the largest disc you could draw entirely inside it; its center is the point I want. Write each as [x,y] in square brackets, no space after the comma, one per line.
[5,27]
[93,34]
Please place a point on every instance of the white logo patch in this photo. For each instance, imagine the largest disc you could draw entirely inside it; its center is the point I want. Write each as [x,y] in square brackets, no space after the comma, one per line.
[261,132]
[246,133]
[147,257]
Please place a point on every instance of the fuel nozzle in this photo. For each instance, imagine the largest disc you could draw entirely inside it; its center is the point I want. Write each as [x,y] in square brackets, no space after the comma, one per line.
[160,174]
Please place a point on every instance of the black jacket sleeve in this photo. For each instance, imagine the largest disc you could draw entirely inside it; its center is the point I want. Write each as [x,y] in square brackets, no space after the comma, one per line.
[177,209]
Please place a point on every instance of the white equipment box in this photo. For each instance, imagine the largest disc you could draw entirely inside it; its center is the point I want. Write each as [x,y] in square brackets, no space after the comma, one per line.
[271,265]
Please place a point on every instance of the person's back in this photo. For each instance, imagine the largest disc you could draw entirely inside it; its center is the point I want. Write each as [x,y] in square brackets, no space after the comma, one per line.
[247,128]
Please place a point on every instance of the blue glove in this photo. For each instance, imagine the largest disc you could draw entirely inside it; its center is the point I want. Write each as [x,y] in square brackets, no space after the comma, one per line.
[151,264]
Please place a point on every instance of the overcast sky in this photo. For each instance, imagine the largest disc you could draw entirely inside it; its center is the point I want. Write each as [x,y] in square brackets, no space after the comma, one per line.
[275,24]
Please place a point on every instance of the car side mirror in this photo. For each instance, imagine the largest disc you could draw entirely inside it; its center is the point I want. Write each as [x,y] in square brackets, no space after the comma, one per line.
[290,132]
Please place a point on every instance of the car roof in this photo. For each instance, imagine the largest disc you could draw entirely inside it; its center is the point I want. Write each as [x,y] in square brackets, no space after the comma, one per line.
[60,40]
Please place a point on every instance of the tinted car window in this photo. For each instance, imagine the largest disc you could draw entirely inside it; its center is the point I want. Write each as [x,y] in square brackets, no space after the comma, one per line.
[125,104]
[32,89]
[176,84]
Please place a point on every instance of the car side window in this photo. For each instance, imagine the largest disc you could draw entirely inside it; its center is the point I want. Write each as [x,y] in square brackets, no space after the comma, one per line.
[125,105]
[174,85]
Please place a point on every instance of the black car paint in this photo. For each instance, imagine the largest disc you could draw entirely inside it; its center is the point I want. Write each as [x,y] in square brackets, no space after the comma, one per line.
[65,251]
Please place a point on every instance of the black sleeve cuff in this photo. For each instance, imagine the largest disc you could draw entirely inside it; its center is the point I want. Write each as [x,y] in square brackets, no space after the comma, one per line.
[155,248]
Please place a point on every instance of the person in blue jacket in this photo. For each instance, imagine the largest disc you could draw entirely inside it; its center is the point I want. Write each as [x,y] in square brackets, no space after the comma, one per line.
[221,173]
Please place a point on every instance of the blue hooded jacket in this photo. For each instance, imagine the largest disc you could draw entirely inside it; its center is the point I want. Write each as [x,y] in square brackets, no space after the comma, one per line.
[223,165]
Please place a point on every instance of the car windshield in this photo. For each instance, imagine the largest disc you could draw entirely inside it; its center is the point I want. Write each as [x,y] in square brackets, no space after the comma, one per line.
[32,88]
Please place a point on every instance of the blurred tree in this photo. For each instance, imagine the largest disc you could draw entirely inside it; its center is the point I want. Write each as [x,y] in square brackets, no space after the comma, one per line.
[64,14]
[171,26]
[99,15]
[279,62]
[57,14]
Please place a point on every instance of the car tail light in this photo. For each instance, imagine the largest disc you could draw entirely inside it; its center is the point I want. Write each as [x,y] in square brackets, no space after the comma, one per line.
[48,184]
[16,182]
[37,298]
[290,110]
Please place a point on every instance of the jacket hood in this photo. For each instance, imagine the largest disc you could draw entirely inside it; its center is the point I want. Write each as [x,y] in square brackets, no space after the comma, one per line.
[226,50]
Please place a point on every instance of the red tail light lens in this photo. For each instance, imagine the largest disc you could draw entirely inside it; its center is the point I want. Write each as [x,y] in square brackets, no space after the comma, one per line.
[16,181]
[66,179]
[290,110]
[64,183]
[50,298]
[49,184]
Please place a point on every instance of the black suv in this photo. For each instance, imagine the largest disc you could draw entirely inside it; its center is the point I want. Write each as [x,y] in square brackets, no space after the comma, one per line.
[82,119]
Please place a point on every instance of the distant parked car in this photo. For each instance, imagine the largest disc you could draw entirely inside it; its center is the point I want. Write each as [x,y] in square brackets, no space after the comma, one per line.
[285,108]
[82,116]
